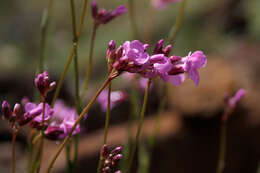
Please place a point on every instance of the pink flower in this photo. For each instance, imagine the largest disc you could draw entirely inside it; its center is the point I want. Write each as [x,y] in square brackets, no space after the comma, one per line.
[193,62]
[103,16]
[116,97]
[232,102]
[33,114]
[61,122]
[161,4]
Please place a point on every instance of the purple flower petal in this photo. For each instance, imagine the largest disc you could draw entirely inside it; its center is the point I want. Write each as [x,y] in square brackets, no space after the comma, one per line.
[177,79]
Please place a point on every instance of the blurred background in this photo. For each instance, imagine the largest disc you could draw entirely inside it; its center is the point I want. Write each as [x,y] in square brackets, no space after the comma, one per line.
[228,31]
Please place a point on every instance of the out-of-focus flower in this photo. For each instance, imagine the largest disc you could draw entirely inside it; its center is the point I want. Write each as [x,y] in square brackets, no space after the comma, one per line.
[111,157]
[61,122]
[43,84]
[161,4]
[115,98]
[33,114]
[103,16]
[233,101]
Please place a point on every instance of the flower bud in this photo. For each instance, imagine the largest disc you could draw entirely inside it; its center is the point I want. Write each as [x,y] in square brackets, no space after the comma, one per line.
[167,50]
[158,47]
[6,111]
[42,83]
[104,151]
[94,9]
[117,150]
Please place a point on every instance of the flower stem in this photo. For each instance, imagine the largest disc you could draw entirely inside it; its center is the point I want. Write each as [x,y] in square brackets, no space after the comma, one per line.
[158,118]
[81,116]
[13,149]
[106,126]
[42,138]
[73,50]
[222,143]
[44,30]
[140,124]
[176,27]
[131,7]
[89,65]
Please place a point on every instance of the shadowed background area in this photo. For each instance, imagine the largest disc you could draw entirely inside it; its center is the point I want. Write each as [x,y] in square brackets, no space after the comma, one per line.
[228,31]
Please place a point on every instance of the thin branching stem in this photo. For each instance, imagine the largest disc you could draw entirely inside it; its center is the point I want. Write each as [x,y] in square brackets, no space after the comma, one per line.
[101,159]
[139,128]
[81,116]
[44,32]
[14,134]
[73,50]
[89,65]
[132,13]
[222,143]
[176,27]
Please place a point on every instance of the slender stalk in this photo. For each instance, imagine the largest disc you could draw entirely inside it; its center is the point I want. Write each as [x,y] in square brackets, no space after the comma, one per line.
[73,50]
[81,116]
[44,31]
[131,7]
[13,149]
[89,65]
[82,18]
[101,159]
[42,136]
[158,118]
[140,124]
[71,164]
[222,142]
[222,151]
[176,27]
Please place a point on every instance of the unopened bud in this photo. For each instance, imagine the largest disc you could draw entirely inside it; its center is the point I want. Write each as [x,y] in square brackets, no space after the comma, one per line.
[6,110]
[167,50]
[158,47]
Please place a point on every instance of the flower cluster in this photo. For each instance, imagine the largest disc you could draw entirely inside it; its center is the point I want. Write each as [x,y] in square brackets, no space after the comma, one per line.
[115,98]
[133,57]
[61,122]
[110,157]
[161,4]
[103,16]
[57,121]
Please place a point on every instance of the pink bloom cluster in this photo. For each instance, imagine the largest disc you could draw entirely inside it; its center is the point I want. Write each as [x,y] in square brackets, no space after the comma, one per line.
[161,4]
[58,121]
[133,57]
[62,121]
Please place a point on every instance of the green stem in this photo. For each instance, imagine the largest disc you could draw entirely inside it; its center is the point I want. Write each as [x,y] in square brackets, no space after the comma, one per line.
[13,150]
[131,7]
[81,116]
[44,31]
[73,50]
[140,124]
[71,165]
[82,18]
[42,136]
[158,118]
[89,65]
[176,27]
[106,126]
[222,143]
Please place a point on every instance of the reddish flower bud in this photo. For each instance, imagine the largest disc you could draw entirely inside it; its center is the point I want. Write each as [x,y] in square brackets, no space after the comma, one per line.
[6,111]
